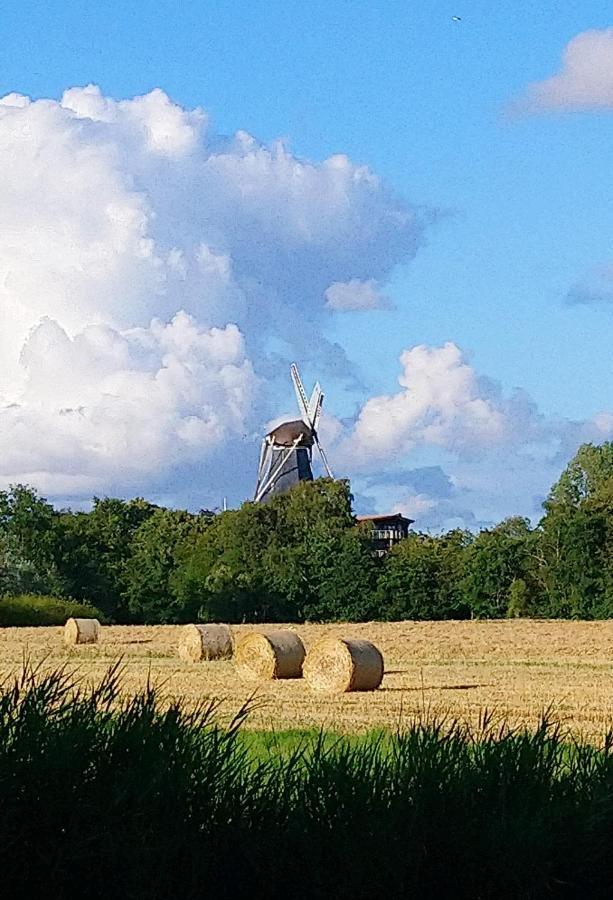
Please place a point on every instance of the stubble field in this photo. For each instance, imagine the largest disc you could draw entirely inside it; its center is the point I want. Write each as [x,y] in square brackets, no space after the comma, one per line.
[513,669]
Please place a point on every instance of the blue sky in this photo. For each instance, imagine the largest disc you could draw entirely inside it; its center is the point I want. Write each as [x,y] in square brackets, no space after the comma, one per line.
[521,206]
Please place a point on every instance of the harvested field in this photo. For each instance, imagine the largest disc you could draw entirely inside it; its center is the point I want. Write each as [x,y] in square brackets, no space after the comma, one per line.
[515,669]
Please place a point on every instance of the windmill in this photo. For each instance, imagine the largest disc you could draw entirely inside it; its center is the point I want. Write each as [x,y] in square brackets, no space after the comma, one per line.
[287,451]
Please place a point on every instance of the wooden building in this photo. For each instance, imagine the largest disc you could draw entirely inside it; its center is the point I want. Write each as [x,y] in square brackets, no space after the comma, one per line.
[387,530]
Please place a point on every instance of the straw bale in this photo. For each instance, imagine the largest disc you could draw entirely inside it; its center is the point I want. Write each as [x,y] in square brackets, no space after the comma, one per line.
[337,665]
[276,654]
[82,631]
[205,642]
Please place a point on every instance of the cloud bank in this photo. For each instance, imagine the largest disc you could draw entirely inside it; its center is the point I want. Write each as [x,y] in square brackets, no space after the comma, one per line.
[106,406]
[150,270]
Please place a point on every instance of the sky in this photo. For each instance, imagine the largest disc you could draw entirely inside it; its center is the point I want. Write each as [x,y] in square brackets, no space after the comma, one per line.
[413,208]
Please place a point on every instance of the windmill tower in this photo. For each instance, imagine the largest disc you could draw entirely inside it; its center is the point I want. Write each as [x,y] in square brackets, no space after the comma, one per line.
[287,451]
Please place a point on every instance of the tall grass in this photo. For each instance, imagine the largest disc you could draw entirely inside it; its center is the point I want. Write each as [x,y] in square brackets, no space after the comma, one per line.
[104,797]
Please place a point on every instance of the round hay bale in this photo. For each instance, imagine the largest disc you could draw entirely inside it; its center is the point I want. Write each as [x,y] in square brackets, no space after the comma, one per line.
[81,631]
[337,665]
[277,654]
[204,642]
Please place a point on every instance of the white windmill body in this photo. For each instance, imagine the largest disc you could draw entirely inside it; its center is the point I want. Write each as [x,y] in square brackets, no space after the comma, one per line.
[287,450]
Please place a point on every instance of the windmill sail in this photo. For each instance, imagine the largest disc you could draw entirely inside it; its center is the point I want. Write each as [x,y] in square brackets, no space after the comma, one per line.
[301,397]
[314,408]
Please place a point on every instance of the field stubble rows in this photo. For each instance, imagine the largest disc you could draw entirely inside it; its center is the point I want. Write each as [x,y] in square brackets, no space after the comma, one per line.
[513,669]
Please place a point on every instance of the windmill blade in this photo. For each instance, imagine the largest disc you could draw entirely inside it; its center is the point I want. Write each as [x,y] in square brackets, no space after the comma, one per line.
[265,452]
[316,413]
[301,396]
[324,458]
[315,402]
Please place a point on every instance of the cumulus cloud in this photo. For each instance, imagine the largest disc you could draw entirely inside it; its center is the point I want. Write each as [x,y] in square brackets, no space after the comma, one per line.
[356,295]
[489,454]
[109,407]
[585,80]
[442,403]
[150,269]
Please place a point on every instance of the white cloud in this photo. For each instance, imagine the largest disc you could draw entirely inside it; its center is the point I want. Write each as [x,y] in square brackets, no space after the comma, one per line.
[109,407]
[356,295]
[443,403]
[450,448]
[114,216]
[584,82]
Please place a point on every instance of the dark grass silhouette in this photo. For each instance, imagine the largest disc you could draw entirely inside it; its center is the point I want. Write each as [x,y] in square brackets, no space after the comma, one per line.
[104,797]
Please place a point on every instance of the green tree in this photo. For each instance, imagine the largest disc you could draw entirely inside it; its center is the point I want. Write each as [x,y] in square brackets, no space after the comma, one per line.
[224,575]
[576,559]
[317,558]
[149,576]
[494,561]
[421,576]
[95,546]
[28,543]
[519,600]
[18,574]
[299,555]
[576,547]
[588,474]
[341,570]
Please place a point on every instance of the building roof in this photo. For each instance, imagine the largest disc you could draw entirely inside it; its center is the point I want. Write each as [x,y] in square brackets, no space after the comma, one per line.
[287,433]
[389,517]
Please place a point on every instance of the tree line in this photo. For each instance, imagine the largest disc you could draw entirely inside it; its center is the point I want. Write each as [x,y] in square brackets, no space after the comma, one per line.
[302,556]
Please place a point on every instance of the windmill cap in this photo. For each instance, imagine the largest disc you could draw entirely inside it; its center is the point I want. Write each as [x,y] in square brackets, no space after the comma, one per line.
[286,434]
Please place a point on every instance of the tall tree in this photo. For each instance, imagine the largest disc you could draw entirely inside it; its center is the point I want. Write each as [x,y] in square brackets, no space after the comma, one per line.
[94,549]
[494,562]
[421,578]
[29,537]
[279,560]
[576,556]
[149,574]
[588,473]
[224,575]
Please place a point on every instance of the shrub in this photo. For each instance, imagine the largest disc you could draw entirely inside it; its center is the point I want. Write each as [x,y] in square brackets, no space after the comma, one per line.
[34,609]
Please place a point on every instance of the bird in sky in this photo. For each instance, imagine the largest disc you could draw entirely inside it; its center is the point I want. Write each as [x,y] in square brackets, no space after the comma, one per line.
[456,19]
